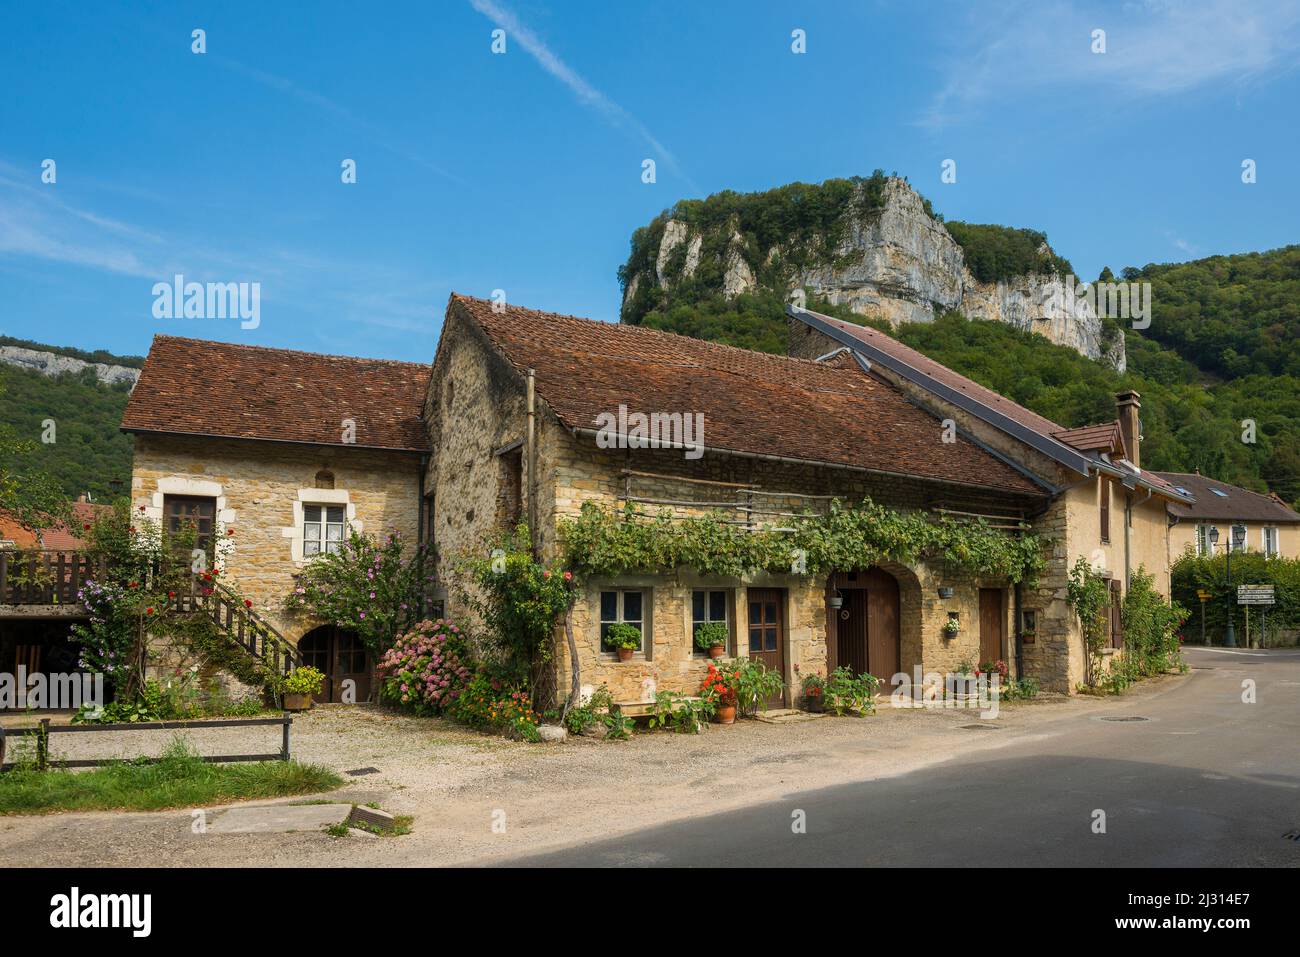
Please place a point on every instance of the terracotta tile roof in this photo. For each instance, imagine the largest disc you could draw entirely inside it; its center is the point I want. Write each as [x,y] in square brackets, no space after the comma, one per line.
[1025,418]
[198,387]
[63,536]
[1107,437]
[1235,503]
[752,402]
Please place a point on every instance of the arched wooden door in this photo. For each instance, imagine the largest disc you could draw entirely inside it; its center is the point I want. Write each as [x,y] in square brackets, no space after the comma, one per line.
[340,656]
[867,625]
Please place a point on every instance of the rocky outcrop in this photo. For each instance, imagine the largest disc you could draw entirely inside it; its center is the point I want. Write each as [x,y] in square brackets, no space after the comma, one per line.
[900,264]
[52,364]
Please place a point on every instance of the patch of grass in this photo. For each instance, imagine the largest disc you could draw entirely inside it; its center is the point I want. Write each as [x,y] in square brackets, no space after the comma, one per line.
[180,779]
[337,830]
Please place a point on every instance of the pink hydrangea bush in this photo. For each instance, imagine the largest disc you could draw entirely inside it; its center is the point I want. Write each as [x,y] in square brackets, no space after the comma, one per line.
[426,669]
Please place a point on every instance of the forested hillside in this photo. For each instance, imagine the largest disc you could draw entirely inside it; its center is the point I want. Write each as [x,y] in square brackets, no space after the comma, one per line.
[88,452]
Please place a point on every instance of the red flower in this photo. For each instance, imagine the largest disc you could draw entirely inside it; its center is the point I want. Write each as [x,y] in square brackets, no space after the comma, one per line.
[141,509]
[230,531]
[131,528]
[86,527]
[171,594]
[148,611]
[132,584]
[247,603]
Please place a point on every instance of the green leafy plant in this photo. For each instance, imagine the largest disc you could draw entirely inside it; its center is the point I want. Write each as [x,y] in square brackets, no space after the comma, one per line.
[951,627]
[1151,623]
[304,680]
[754,684]
[623,635]
[1088,594]
[711,634]
[682,713]
[846,692]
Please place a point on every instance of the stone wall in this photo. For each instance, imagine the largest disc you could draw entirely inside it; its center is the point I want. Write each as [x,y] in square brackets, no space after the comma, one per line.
[260,488]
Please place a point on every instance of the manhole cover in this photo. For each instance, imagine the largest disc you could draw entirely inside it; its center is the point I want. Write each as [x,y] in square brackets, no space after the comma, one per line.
[1124,717]
[360,771]
[977,727]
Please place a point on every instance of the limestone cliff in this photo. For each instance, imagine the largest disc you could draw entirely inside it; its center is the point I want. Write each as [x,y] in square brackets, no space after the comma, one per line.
[885,256]
[52,364]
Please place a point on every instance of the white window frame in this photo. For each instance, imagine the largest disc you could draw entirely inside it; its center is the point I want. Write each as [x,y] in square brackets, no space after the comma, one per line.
[1204,547]
[1245,537]
[1271,532]
[324,544]
[725,619]
[602,621]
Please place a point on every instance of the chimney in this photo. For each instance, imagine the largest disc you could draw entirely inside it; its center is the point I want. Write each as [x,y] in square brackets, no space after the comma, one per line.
[1128,406]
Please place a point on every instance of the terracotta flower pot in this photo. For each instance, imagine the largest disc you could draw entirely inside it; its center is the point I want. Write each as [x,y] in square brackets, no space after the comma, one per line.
[726,714]
[715,651]
[297,702]
[625,654]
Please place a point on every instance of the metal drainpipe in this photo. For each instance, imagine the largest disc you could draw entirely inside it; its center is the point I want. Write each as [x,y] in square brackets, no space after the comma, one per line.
[531,456]
[1020,645]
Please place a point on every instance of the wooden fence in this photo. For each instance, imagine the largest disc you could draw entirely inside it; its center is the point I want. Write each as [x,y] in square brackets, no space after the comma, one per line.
[44,729]
[45,576]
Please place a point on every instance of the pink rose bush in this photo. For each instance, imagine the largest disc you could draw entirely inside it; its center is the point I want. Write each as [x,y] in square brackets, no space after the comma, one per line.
[426,669]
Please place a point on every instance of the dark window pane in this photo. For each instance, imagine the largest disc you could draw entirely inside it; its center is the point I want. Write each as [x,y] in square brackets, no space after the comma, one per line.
[771,639]
[717,606]
[755,612]
[769,611]
[604,632]
[631,606]
[335,514]
[608,607]
[756,639]
[697,606]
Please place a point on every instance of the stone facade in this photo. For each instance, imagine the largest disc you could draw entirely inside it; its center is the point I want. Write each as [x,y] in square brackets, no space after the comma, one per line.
[477,414]
[260,488]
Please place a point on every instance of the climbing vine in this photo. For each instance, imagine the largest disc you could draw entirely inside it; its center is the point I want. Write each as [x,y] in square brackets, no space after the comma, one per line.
[1088,594]
[603,542]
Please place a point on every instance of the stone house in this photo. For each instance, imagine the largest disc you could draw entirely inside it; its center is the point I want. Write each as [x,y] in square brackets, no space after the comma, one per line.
[525,415]
[273,454]
[1262,523]
[835,419]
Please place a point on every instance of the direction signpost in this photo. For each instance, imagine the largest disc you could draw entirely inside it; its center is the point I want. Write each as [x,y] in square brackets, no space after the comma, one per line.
[1254,595]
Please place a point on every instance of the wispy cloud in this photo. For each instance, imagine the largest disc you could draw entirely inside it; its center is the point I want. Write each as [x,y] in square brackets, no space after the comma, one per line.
[1154,48]
[587,95]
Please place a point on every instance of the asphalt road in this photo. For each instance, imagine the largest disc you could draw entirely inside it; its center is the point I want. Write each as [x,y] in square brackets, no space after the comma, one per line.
[1205,780]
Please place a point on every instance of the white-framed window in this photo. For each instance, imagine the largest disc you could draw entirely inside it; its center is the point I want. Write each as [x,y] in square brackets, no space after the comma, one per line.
[322,529]
[1235,532]
[709,604]
[626,605]
[1271,549]
[1203,544]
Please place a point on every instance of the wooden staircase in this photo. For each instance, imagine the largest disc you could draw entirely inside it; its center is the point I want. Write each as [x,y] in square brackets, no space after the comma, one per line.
[239,623]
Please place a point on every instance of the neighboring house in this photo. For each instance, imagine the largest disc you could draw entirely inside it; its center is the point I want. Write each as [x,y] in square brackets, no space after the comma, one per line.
[1264,522]
[65,536]
[274,455]
[855,414]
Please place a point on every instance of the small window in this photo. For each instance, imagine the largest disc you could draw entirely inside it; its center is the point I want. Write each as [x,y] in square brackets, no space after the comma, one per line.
[324,479]
[182,512]
[1204,546]
[322,529]
[1105,509]
[1270,543]
[708,605]
[625,606]
[1219,492]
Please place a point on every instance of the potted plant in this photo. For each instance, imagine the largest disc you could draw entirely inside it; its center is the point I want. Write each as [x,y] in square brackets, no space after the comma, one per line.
[951,627]
[719,687]
[836,600]
[299,686]
[623,638]
[814,693]
[711,636]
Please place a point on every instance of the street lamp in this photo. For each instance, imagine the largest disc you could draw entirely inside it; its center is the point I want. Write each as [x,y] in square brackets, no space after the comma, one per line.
[1237,538]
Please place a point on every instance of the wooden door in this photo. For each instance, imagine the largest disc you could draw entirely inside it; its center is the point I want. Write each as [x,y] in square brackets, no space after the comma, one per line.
[852,630]
[883,637]
[992,625]
[340,655]
[767,632]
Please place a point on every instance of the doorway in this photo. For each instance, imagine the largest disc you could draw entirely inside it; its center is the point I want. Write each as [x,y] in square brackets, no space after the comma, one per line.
[767,634]
[992,624]
[341,657]
[867,636]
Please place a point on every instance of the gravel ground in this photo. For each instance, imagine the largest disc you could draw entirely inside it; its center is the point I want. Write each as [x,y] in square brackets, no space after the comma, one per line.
[457,784]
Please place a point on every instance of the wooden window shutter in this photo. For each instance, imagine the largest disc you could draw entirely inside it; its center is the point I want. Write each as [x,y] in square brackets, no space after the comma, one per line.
[1105,509]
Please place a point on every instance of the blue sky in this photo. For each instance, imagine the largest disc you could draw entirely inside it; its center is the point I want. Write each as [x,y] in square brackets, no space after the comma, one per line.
[522,171]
